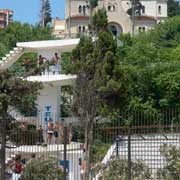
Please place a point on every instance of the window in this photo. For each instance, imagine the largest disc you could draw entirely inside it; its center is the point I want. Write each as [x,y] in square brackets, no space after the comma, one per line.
[142,29]
[84,29]
[113,8]
[159,9]
[109,7]
[84,9]
[80,9]
[143,9]
[79,29]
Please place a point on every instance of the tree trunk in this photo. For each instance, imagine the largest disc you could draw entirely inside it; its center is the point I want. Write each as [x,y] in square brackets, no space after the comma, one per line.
[3,146]
[88,148]
[90,151]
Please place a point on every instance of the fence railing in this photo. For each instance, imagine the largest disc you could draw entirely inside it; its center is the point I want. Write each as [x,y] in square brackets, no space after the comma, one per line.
[144,145]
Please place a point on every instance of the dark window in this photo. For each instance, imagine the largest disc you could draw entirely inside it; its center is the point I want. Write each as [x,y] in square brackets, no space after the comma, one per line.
[143,9]
[84,28]
[142,29]
[84,9]
[80,9]
[113,8]
[109,8]
[79,29]
[114,30]
[159,10]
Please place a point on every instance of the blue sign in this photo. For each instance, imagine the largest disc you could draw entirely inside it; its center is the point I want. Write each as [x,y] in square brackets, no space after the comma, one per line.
[47,114]
[67,165]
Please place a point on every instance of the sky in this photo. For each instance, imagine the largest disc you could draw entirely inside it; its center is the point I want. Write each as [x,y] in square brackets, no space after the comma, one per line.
[29,10]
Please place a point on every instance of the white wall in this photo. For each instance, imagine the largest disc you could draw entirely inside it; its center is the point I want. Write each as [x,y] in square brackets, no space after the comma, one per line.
[163,8]
[49,96]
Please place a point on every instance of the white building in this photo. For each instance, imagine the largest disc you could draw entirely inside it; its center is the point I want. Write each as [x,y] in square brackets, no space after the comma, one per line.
[152,12]
[58,27]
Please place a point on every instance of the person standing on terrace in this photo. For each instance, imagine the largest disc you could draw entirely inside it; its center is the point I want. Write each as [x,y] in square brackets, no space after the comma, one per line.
[41,60]
[56,61]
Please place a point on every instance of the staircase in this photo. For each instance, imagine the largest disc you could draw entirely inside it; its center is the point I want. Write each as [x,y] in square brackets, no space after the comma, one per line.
[10,58]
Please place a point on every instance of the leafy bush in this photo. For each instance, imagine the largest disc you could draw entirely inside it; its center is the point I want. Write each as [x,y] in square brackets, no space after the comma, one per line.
[43,169]
[118,169]
[99,150]
[172,169]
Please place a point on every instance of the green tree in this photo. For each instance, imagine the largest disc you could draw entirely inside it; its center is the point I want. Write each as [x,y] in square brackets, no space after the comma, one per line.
[45,13]
[99,81]
[93,3]
[18,32]
[151,62]
[173,8]
[47,9]
[136,6]
[11,88]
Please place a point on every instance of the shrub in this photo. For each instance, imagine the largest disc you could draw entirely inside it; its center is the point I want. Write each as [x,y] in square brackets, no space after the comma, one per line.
[43,169]
[118,169]
[172,168]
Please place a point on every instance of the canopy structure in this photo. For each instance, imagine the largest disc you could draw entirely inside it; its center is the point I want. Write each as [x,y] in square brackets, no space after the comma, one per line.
[64,45]
[55,80]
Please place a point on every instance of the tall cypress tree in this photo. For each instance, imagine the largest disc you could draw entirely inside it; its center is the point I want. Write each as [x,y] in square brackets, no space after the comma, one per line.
[47,9]
[45,12]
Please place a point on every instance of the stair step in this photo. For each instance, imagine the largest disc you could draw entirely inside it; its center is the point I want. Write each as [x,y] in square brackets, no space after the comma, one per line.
[12,52]
[8,55]
[16,48]
[4,58]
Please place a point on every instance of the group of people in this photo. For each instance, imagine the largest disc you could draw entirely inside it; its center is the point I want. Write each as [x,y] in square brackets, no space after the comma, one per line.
[53,64]
[43,64]
[57,131]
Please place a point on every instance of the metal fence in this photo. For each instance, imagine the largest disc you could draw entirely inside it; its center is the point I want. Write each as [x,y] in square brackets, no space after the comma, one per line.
[144,144]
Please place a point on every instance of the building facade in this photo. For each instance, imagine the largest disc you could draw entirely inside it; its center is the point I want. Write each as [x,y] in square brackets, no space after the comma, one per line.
[58,28]
[5,17]
[152,13]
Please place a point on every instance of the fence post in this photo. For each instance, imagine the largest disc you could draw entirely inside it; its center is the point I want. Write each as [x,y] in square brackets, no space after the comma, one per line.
[117,146]
[65,151]
[129,153]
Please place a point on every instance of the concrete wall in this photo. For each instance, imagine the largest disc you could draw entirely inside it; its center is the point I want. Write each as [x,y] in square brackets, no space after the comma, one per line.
[49,97]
